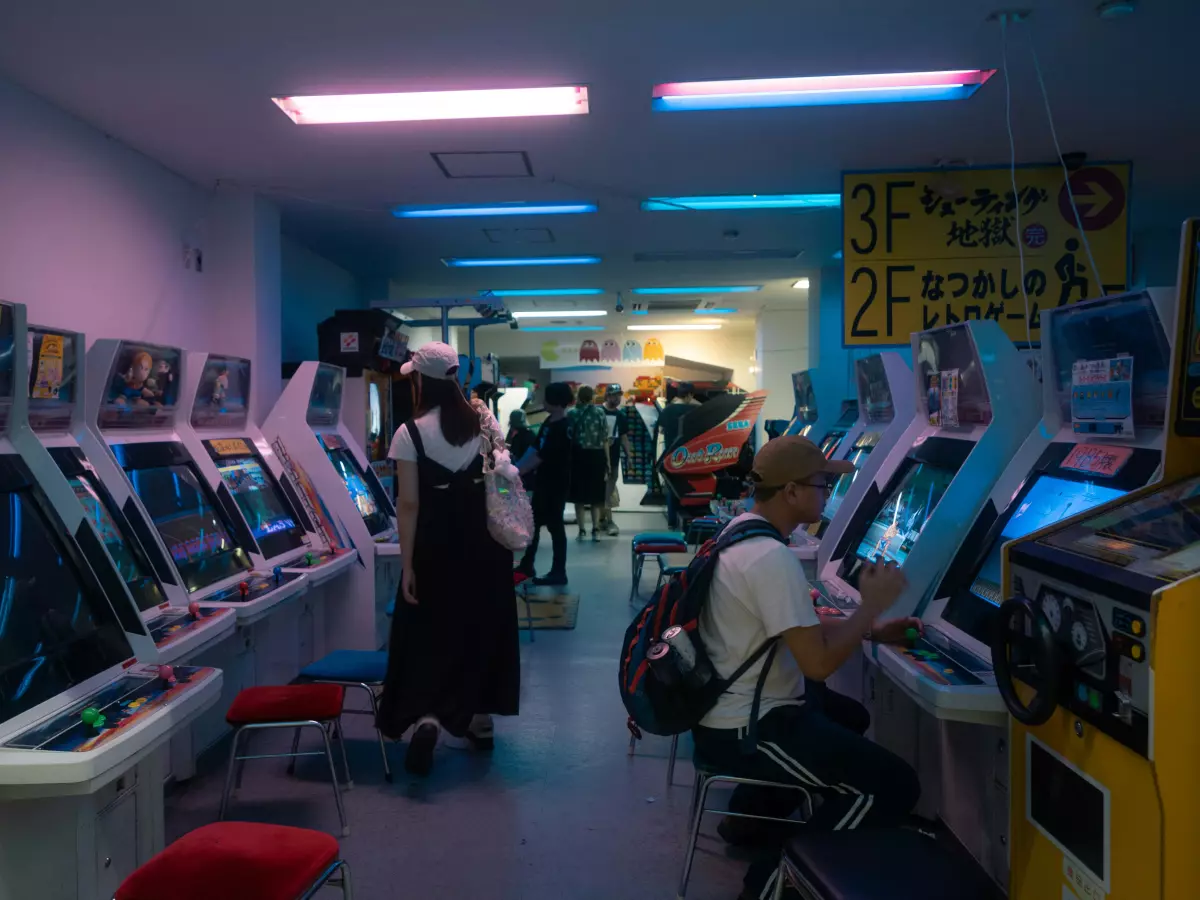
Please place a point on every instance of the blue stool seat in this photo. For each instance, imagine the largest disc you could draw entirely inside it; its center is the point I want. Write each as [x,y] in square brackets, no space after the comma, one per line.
[357,666]
[391,607]
[658,537]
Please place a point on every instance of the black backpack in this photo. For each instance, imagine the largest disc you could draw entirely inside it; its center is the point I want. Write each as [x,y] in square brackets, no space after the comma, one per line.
[663,708]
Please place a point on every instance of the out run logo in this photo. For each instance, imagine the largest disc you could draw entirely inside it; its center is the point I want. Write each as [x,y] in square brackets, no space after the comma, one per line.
[710,455]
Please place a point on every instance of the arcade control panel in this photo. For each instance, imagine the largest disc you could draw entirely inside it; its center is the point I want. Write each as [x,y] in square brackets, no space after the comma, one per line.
[315,559]
[829,602]
[173,625]
[92,721]
[254,586]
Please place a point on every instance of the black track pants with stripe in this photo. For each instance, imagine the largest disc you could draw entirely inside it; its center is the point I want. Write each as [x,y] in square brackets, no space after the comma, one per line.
[820,746]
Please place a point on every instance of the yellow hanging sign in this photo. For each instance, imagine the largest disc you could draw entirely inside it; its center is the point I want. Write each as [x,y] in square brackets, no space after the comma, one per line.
[928,248]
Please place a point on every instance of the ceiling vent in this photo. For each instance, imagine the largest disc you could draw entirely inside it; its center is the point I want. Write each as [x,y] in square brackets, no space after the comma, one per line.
[677,256]
[519,235]
[484,164]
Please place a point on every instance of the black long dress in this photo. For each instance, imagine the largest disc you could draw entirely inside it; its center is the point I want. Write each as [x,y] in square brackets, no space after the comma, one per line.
[455,653]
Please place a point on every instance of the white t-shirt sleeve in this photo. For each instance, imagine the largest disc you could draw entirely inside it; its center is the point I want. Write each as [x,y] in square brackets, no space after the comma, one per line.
[402,446]
[779,592]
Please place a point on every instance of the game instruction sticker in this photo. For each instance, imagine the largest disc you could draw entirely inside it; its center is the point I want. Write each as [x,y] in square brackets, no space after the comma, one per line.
[943,399]
[49,377]
[1102,396]
[1097,459]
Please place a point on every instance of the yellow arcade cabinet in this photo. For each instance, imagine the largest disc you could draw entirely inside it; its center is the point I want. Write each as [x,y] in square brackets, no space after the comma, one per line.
[1096,659]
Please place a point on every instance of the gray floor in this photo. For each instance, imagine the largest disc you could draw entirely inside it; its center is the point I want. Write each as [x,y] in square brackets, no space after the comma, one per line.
[560,811]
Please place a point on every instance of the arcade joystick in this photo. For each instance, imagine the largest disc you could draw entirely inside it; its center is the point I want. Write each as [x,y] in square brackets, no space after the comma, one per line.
[911,635]
[194,609]
[278,573]
[244,588]
[167,674]
[308,558]
[92,718]
[814,594]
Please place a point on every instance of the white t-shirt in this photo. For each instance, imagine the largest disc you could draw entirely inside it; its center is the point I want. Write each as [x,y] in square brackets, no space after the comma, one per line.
[758,591]
[436,448]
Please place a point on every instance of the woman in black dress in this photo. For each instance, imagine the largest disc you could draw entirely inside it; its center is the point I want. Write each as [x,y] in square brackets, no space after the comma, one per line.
[453,657]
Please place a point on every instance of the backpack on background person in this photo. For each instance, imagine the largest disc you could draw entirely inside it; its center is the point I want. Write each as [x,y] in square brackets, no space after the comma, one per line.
[659,696]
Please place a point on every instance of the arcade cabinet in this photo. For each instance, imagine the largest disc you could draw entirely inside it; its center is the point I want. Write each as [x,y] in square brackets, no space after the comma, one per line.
[1069,464]
[307,427]
[819,416]
[180,629]
[712,438]
[227,448]
[886,410]
[1095,656]
[968,426]
[132,400]
[81,723]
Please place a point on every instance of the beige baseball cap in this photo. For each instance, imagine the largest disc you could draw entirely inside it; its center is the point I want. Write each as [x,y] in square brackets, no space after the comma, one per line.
[793,458]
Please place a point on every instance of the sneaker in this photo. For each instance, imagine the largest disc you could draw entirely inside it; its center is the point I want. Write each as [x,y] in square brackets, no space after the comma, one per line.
[612,529]
[581,536]
[595,537]
[551,580]
[419,759]
[482,733]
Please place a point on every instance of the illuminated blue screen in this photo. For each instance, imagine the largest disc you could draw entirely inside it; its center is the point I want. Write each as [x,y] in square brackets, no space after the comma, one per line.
[1049,500]
[905,513]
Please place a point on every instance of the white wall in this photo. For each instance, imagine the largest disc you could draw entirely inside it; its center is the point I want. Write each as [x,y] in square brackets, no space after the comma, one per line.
[781,348]
[313,288]
[92,233]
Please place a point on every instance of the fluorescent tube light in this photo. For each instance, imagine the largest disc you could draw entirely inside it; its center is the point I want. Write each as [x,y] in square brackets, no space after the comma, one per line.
[564,328]
[336,109]
[718,311]
[544,292]
[564,314]
[699,326]
[515,208]
[801,284]
[746,201]
[822,90]
[722,289]
[458,263]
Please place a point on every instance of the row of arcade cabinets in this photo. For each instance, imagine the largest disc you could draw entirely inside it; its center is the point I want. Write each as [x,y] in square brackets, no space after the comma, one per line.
[1095,655]
[953,461]
[819,414]
[214,544]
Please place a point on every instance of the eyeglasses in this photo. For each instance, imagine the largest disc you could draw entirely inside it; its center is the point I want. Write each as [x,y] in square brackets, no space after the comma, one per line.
[823,482]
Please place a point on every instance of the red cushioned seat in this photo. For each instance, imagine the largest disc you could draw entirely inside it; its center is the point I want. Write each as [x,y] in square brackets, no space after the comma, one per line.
[234,859]
[286,703]
[659,548]
[519,578]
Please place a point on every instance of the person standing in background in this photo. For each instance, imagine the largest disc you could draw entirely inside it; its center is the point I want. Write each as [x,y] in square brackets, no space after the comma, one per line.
[618,438]
[550,458]
[589,460]
[519,439]
[669,422]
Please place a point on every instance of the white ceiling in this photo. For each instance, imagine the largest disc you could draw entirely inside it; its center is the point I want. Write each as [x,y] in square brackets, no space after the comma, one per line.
[189,85]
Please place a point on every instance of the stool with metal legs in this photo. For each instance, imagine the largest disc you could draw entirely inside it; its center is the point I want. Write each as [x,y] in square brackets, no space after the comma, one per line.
[649,543]
[705,779]
[295,706]
[361,669]
[242,859]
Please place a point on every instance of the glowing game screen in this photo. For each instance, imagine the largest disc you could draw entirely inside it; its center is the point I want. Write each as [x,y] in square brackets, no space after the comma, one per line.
[191,528]
[55,632]
[904,514]
[257,496]
[352,476]
[1049,500]
[133,568]
[857,456]
[832,441]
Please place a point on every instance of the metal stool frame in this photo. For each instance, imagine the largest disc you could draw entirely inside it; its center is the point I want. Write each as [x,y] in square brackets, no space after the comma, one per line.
[373,712]
[233,777]
[339,868]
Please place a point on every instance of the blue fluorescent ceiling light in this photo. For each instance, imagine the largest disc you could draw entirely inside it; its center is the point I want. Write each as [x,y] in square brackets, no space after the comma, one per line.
[722,289]
[720,311]
[515,208]
[545,292]
[562,328]
[823,90]
[459,263]
[746,201]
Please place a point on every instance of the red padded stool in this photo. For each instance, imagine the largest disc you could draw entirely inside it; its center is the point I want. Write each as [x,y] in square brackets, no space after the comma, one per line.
[652,543]
[241,859]
[297,706]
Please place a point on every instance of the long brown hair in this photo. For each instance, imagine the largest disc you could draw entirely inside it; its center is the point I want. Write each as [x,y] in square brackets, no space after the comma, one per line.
[459,420]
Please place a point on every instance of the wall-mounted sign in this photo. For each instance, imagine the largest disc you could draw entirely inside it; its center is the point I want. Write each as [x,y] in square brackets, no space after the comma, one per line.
[929,248]
[609,353]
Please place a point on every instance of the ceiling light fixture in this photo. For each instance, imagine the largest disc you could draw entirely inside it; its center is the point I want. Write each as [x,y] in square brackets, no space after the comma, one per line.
[338,109]
[543,292]
[564,328]
[514,208]
[801,284]
[718,311]
[699,326]
[461,263]
[561,314]
[822,90]
[745,201]
[720,289]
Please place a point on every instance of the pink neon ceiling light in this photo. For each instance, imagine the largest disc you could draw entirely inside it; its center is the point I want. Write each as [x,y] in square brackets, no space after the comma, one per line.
[333,109]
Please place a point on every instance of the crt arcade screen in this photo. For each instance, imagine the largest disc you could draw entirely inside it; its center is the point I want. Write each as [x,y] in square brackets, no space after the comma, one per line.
[369,507]
[262,504]
[904,513]
[858,456]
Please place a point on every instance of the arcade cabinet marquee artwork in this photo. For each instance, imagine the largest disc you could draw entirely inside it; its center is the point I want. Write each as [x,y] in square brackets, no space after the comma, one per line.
[607,352]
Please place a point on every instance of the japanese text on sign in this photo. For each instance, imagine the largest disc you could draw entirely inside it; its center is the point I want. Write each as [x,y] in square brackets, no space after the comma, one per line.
[927,249]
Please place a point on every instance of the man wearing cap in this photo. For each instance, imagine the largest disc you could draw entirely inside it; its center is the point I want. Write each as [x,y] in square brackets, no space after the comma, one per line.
[811,737]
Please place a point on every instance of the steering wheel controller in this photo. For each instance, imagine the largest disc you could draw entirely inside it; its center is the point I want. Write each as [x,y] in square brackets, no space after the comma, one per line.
[1024,639]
